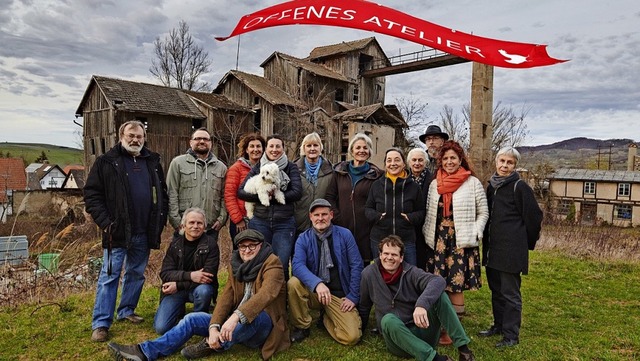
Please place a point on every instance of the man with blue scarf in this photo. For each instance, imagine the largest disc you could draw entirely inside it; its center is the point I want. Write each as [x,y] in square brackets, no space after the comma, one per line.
[326,275]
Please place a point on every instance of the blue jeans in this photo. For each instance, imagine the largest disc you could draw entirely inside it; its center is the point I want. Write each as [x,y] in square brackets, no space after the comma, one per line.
[280,234]
[134,259]
[252,334]
[172,307]
[410,255]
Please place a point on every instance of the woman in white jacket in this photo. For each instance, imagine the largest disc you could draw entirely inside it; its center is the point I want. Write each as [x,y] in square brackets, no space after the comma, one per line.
[456,215]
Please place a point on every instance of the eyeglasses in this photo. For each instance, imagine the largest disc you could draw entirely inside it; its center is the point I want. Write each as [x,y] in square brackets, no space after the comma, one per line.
[432,138]
[133,136]
[250,247]
[201,139]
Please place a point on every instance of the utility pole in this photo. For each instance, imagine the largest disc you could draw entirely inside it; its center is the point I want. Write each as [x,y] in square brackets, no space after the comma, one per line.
[610,146]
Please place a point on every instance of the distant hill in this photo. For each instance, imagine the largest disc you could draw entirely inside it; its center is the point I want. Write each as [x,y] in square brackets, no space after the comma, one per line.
[580,143]
[29,152]
[579,153]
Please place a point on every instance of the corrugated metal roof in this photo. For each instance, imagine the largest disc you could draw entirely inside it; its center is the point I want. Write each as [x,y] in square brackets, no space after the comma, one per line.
[264,89]
[614,176]
[143,97]
[344,47]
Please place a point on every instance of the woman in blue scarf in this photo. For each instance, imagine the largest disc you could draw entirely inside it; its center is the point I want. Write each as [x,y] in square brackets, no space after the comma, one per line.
[349,190]
[316,173]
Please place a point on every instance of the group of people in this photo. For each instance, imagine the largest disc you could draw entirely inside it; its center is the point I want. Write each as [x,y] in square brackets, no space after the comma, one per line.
[404,240]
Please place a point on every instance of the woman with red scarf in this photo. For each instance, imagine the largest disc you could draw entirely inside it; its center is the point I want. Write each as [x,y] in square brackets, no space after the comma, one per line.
[456,215]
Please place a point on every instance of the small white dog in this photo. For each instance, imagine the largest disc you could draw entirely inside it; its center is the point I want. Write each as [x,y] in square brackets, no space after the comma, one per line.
[264,183]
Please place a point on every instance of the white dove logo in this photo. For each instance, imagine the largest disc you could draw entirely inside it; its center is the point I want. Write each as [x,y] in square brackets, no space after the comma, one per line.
[512,58]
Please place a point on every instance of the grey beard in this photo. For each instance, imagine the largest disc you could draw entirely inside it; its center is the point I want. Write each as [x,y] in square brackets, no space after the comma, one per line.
[134,150]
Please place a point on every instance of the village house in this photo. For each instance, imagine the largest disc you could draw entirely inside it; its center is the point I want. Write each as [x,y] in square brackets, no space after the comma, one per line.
[44,176]
[597,196]
[593,196]
[12,178]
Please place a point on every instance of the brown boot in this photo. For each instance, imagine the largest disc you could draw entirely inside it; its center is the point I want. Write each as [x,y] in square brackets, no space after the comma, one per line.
[444,338]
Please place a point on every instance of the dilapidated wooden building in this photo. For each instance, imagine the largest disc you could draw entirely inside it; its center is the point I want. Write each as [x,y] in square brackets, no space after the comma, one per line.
[169,114]
[325,92]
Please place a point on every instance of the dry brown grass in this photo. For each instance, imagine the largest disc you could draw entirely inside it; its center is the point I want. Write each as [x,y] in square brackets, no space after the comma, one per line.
[80,252]
[601,243]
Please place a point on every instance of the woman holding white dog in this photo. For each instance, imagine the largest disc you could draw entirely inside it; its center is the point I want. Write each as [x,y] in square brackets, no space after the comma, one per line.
[276,221]
[250,150]
[316,173]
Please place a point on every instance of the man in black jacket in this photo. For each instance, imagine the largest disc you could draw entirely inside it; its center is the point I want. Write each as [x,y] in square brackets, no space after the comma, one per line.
[126,196]
[189,271]
[410,306]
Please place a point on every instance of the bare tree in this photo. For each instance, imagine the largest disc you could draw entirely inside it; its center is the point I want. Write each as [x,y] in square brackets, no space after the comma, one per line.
[509,126]
[180,61]
[227,130]
[456,127]
[414,112]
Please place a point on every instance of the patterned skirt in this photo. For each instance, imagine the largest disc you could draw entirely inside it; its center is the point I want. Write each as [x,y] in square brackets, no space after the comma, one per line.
[460,267]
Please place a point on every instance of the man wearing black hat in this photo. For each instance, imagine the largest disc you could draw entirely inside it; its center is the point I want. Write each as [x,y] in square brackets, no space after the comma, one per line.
[326,275]
[433,138]
[251,311]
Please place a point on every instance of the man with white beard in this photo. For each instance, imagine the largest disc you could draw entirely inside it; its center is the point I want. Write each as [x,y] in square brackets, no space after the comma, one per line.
[126,196]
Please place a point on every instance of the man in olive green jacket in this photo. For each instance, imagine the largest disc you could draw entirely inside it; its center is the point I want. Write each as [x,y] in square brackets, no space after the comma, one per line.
[196,179]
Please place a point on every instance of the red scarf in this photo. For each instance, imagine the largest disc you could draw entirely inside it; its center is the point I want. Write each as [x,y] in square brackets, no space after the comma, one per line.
[449,183]
[389,278]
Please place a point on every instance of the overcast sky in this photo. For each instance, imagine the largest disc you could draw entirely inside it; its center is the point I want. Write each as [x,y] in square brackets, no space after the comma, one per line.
[50,49]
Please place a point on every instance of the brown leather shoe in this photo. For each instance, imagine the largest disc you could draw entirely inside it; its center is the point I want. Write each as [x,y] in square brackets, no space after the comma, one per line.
[444,338]
[100,334]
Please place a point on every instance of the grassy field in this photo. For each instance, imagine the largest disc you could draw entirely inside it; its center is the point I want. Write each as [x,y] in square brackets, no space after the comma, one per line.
[61,156]
[574,309]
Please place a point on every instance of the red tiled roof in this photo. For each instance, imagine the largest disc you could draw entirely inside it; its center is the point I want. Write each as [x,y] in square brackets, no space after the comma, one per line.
[69,167]
[12,176]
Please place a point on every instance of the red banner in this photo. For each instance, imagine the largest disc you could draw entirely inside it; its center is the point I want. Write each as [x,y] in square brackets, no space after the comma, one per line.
[366,15]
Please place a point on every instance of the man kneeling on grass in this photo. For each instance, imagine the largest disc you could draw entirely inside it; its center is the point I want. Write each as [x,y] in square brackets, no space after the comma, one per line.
[410,306]
[251,310]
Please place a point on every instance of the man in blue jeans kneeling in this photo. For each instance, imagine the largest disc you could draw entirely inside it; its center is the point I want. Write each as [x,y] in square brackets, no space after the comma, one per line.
[251,311]
[189,271]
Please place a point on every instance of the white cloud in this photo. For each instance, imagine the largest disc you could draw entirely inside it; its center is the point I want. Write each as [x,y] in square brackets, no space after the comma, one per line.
[50,51]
